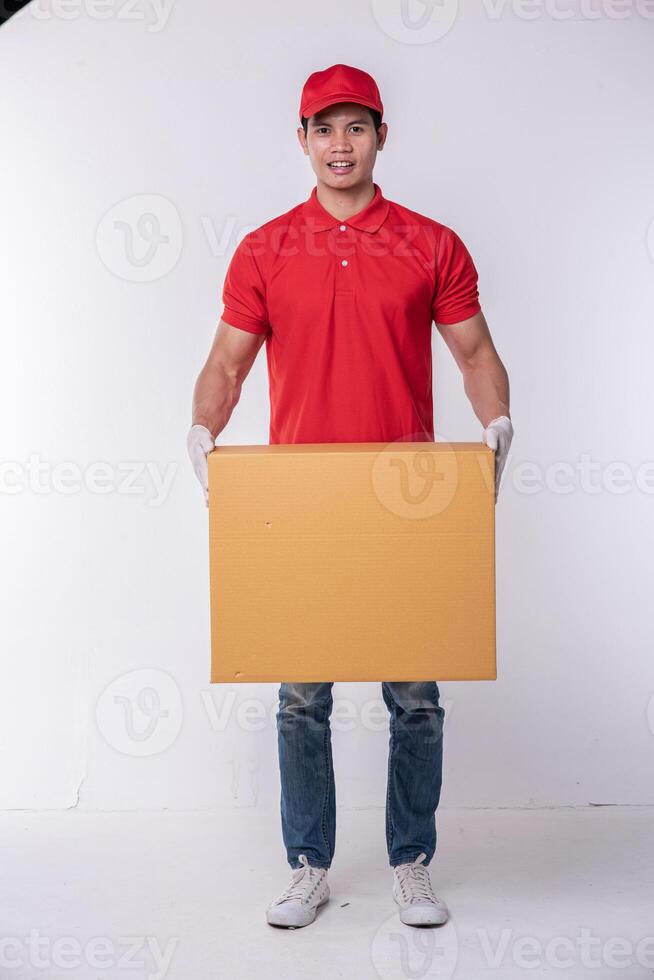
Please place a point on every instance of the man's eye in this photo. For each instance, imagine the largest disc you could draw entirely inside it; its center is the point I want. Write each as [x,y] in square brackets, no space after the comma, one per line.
[358,128]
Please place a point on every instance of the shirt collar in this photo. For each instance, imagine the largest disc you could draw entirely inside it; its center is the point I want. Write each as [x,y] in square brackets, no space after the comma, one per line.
[370,218]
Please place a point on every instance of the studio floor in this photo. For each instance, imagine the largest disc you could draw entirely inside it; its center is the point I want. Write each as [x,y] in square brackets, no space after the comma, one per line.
[564,892]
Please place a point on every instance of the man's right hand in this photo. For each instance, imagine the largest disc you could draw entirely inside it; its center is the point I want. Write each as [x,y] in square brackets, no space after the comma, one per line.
[199,443]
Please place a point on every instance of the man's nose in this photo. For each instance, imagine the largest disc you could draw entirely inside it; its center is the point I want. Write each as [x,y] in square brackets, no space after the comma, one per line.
[340,143]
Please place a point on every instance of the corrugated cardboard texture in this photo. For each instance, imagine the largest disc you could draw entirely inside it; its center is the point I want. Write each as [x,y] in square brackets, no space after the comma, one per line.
[352,561]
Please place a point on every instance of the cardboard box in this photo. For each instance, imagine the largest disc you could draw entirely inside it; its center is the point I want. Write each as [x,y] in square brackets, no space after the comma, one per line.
[352,561]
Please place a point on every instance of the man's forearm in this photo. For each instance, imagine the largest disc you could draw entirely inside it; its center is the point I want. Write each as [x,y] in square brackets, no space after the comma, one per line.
[215,395]
[486,385]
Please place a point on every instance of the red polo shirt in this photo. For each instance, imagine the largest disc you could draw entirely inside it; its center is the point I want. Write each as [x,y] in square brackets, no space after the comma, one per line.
[347,309]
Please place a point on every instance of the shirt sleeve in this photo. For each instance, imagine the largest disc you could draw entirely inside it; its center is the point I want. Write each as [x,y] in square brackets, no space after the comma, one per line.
[456,296]
[244,291]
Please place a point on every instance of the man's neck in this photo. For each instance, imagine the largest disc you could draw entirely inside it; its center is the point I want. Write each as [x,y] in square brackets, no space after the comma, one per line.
[342,204]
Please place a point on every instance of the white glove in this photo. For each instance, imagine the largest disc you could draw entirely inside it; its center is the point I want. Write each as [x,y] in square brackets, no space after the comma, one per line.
[498,435]
[200,442]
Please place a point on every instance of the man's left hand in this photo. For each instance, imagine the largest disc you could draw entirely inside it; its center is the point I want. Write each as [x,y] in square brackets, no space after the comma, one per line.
[498,435]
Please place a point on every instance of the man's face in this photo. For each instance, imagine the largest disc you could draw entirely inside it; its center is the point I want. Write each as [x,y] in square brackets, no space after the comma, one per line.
[342,144]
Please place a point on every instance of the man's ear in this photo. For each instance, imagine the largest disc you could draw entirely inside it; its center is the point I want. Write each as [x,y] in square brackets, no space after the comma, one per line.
[302,140]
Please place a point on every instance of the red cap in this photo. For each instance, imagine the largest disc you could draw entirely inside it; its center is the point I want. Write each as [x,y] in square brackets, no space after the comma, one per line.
[340,83]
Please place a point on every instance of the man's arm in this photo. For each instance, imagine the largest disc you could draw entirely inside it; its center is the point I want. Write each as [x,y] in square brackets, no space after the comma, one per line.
[217,390]
[485,380]
[218,387]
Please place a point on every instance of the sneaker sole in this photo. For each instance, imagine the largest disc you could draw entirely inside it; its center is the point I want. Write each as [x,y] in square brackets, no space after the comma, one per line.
[297,925]
[423,917]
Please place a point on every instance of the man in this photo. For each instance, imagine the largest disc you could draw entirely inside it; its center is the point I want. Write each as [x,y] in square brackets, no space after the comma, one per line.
[344,289]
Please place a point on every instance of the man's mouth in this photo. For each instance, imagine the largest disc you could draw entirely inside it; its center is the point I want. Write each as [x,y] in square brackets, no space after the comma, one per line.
[340,166]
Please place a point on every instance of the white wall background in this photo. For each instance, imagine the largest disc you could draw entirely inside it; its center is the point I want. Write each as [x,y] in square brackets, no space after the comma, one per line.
[528,131]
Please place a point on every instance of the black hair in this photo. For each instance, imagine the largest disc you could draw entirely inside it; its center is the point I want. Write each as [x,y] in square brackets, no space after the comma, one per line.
[376,118]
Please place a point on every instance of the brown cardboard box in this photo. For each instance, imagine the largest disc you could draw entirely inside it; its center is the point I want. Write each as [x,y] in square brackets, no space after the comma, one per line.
[352,561]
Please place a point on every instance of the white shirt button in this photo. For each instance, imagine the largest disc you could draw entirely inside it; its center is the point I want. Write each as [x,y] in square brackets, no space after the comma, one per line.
[344,262]
[343,227]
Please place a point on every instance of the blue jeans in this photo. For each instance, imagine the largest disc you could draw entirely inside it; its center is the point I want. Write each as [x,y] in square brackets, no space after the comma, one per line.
[415,756]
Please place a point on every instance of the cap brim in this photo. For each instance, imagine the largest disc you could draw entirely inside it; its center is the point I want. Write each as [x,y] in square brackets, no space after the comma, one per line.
[319,104]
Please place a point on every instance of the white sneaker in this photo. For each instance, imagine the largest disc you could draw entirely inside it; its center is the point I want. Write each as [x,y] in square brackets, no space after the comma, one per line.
[413,893]
[297,904]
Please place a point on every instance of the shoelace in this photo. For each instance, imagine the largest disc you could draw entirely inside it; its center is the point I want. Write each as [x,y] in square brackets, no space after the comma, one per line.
[301,878]
[417,878]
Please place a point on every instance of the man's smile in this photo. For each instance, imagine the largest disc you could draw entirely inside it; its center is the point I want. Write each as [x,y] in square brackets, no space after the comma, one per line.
[342,166]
